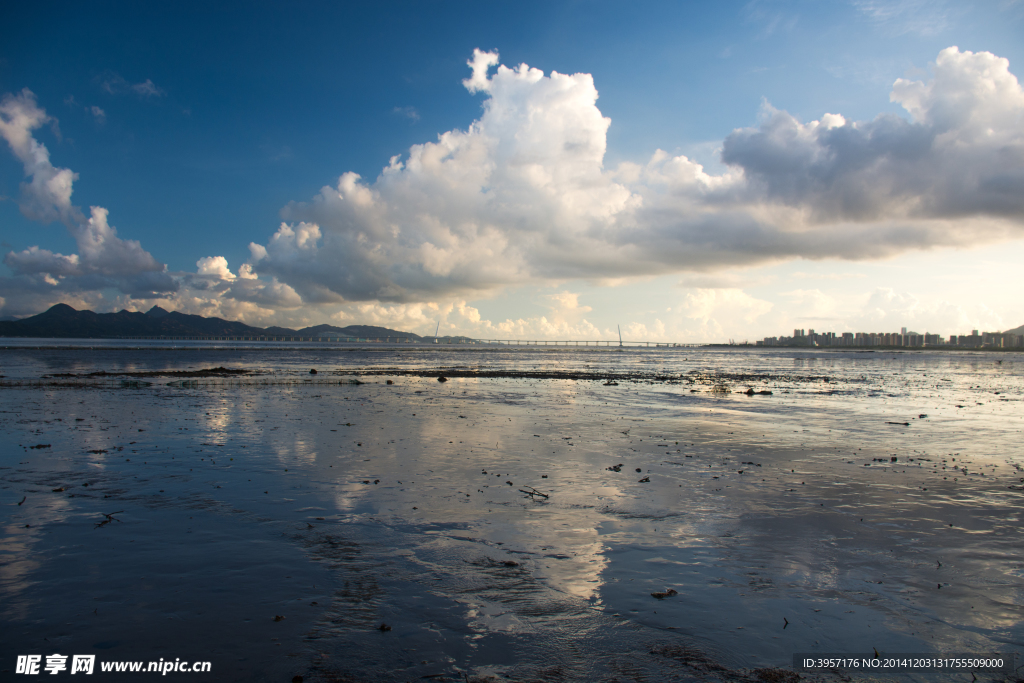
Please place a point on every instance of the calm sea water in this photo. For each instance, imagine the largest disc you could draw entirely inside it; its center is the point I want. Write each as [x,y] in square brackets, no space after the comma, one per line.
[501,525]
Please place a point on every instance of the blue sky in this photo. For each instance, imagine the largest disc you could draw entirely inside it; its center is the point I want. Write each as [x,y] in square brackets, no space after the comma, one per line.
[203,127]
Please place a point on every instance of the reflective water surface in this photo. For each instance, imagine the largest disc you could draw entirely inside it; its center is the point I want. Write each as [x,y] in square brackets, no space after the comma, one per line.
[503,526]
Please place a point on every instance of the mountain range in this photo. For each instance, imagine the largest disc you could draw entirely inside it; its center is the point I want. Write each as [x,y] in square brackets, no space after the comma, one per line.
[62,320]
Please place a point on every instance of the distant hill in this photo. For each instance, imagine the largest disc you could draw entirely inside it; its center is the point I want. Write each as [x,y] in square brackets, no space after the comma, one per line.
[1016,330]
[64,321]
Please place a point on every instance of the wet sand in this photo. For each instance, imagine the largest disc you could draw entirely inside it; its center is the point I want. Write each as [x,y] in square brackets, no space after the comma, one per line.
[509,527]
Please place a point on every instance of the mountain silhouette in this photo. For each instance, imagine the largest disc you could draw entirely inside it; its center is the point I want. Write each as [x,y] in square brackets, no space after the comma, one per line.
[63,321]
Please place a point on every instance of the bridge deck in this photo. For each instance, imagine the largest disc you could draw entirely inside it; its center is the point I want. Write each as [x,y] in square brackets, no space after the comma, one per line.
[582,343]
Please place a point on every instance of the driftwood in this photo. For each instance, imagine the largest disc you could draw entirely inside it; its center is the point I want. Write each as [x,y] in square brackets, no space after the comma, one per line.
[533,492]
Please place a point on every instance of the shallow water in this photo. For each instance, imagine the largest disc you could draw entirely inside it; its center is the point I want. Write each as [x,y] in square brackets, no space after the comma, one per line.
[782,520]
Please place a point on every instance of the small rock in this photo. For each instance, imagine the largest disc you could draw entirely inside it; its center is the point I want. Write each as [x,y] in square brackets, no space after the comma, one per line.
[278,618]
[384,628]
[667,594]
[442,378]
[312,371]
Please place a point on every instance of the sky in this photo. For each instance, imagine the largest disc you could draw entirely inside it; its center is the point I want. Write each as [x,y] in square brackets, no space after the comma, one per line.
[689,172]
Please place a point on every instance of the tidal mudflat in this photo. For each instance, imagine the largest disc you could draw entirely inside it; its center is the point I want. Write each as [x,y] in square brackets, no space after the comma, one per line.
[542,515]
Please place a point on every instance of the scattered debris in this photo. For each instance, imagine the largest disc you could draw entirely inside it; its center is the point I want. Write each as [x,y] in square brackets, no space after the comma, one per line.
[278,618]
[645,480]
[610,383]
[22,500]
[384,628]
[491,563]
[40,445]
[533,492]
[667,594]
[615,468]
[442,378]
[109,518]
[312,371]
[775,675]
[61,489]
[902,424]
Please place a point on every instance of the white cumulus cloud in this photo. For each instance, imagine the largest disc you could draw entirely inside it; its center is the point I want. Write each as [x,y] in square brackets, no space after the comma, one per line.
[104,260]
[522,195]
[46,196]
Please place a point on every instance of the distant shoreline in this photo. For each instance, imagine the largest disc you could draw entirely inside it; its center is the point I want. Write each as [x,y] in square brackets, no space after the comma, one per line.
[450,344]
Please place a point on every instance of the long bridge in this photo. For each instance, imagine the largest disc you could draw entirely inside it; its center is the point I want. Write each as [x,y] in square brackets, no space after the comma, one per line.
[429,341]
[583,343]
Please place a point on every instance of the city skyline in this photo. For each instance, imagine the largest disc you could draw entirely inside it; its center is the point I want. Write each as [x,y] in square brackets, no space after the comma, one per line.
[1008,339]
